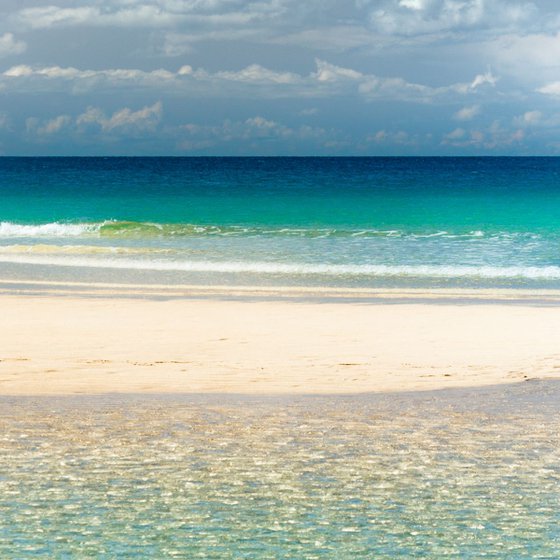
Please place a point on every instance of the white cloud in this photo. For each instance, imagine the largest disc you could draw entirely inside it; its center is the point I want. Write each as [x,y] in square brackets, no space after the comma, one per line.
[494,137]
[122,123]
[417,17]
[460,138]
[10,46]
[55,16]
[47,127]
[532,121]
[399,138]
[151,13]
[456,134]
[47,16]
[308,112]
[330,73]
[54,125]
[258,128]
[327,80]
[528,57]
[376,87]
[257,74]
[23,78]
[156,78]
[479,81]
[530,118]
[127,120]
[550,89]
[467,113]
[341,37]
[482,79]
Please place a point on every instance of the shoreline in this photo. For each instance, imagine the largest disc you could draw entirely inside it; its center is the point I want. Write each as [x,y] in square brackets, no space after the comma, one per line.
[128,340]
[14,287]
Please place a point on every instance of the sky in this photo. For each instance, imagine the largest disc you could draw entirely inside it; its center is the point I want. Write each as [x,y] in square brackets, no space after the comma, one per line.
[280,77]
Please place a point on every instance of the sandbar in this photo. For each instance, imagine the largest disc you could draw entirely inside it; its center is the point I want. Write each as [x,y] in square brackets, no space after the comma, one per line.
[67,342]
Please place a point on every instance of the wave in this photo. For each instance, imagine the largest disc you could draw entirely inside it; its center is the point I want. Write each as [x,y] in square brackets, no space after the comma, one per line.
[41,248]
[54,229]
[125,229]
[298,269]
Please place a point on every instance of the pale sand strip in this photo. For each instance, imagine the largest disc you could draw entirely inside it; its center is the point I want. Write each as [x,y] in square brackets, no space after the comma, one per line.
[45,287]
[72,344]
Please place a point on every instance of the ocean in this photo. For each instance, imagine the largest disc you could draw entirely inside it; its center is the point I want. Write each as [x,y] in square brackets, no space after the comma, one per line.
[345,222]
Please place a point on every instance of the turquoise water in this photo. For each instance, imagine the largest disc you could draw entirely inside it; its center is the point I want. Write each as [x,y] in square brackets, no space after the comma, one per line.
[458,474]
[317,221]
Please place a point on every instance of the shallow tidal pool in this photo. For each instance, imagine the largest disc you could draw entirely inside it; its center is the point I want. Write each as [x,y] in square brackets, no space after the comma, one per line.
[450,474]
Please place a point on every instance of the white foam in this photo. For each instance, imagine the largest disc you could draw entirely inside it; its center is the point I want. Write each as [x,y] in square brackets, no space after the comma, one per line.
[60,230]
[54,229]
[251,267]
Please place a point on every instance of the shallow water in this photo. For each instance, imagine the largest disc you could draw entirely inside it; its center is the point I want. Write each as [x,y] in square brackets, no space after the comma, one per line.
[467,473]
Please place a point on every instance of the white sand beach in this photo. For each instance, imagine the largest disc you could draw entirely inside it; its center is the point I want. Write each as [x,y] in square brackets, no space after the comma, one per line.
[53,344]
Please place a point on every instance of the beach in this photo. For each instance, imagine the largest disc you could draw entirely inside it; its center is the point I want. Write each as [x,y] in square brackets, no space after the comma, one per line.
[200,422]
[271,342]
[279,358]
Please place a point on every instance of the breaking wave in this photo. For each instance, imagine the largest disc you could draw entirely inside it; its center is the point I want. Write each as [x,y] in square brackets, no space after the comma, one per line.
[114,228]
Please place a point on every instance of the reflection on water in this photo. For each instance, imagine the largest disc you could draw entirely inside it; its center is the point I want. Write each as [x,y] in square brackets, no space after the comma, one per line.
[466,474]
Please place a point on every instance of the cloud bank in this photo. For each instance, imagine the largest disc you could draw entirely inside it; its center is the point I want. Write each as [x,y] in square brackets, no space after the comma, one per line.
[354,77]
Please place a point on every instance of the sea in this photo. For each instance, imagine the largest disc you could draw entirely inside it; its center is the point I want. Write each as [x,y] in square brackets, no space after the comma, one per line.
[490,222]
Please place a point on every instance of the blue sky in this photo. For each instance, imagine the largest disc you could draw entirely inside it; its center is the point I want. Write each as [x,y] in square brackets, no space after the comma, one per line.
[279,77]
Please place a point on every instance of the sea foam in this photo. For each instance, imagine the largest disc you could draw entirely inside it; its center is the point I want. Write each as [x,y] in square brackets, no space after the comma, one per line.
[124,228]
[296,269]
[54,229]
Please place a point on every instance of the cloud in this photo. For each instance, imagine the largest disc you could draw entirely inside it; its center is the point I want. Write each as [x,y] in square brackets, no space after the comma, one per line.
[257,74]
[376,87]
[330,73]
[10,46]
[552,88]
[24,78]
[399,138]
[150,13]
[123,120]
[479,81]
[421,17]
[456,134]
[532,121]
[461,138]
[179,25]
[47,16]
[493,137]
[257,128]
[530,118]
[309,112]
[56,16]
[467,113]
[59,78]
[528,57]
[125,123]
[327,80]
[48,127]
[54,125]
